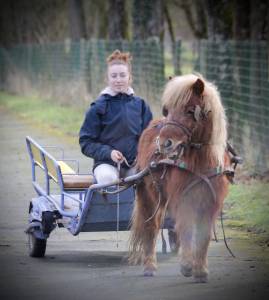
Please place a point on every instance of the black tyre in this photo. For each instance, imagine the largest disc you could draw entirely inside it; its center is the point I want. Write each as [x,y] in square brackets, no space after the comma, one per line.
[37,247]
[48,222]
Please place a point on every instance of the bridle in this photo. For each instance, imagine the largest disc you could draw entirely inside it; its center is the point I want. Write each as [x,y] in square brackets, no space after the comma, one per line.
[179,148]
[198,114]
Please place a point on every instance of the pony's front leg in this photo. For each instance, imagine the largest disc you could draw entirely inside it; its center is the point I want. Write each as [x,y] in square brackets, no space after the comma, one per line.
[186,251]
[200,249]
[185,230]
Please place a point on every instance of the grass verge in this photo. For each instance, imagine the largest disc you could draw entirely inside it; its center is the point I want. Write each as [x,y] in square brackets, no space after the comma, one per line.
[247,208]
[45,113]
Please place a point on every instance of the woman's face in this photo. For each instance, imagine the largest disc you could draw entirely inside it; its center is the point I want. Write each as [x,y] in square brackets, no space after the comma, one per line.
[118,78]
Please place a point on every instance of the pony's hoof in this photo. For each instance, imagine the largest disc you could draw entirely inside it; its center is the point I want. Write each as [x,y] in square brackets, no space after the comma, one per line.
[202,279]
[201,276]
[149,273]
[186,270]
[149,269]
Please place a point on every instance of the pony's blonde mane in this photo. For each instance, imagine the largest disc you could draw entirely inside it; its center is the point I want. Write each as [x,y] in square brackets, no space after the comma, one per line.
[177,94]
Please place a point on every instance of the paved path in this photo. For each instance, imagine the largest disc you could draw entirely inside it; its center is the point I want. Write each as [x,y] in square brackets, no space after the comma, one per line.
[90,266]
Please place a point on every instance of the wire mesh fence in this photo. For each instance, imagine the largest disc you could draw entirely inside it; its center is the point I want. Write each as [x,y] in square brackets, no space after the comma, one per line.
[74,73]
[241,72]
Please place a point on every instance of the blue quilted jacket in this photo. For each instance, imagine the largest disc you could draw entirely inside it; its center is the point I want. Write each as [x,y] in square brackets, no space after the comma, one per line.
[113,122]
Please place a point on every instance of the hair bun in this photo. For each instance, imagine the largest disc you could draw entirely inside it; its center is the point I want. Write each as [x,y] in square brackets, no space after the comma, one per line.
[119,56]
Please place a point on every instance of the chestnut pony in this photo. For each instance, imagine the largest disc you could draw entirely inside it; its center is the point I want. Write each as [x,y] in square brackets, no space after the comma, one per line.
[186,155]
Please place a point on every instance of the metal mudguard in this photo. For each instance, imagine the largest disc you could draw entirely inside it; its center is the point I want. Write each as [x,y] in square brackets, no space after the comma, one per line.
[38,206]
[36,229]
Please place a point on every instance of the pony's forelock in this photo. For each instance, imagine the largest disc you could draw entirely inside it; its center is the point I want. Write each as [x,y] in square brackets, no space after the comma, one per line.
[177,93]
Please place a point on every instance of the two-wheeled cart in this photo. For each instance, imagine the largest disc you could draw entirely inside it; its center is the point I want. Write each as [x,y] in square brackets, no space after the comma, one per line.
[81,205]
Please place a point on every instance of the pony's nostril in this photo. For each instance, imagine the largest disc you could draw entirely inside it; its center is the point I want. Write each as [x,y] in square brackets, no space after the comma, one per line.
[168,143]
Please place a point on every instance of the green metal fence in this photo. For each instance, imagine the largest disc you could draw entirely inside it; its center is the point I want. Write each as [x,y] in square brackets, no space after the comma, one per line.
[74,73]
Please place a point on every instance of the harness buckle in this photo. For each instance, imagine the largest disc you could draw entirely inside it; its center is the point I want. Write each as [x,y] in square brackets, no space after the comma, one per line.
[197,146]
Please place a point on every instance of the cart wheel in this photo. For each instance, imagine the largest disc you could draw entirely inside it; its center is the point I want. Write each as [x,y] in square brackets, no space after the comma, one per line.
[173,241]
[37,247]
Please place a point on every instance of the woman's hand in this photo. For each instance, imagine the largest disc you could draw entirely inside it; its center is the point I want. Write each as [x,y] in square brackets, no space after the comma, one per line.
[116,156]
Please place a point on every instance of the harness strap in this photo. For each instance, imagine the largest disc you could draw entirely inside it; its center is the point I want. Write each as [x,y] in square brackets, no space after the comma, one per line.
[198,180]
[118,205]
[201,177]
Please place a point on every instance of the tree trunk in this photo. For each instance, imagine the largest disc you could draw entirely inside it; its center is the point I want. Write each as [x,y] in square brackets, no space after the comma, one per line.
[76,20]
[201,28]
[148,19]
[195,15]
[219,64]
[219,19]
[117,20]
[241,20]
[259,19]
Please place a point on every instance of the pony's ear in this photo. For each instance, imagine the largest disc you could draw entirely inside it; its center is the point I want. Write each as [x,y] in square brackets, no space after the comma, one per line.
[198,87]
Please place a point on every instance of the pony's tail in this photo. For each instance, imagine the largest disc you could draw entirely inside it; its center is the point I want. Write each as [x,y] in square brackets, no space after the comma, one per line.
[144,230]
[136,252]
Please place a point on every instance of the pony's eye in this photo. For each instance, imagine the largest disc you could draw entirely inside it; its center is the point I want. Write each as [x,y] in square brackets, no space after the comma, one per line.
[168,143]
[190,112]
[165,111]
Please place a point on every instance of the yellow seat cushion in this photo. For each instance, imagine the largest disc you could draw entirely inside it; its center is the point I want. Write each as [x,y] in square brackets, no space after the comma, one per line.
[65,168]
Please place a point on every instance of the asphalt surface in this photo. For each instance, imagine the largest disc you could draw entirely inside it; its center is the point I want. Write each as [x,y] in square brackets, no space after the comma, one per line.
[90,266]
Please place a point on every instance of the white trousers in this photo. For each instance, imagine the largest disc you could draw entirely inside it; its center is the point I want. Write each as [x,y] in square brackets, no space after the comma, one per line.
[106,173]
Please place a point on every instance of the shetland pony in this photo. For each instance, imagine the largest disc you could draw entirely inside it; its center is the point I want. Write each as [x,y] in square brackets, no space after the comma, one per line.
[185,149]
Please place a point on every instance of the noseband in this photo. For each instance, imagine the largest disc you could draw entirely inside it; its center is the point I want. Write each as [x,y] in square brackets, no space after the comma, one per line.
[179,148]
[186,130]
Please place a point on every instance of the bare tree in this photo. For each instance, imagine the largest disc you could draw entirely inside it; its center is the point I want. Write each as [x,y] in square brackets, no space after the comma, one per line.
[148,19]
[76,20]
[219,19]
[8,31]
[259,19]
[241,20]
[195,15]
[118,20]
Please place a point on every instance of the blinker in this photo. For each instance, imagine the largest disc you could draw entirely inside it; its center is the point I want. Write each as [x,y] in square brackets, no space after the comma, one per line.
[168,143]
[197,113]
